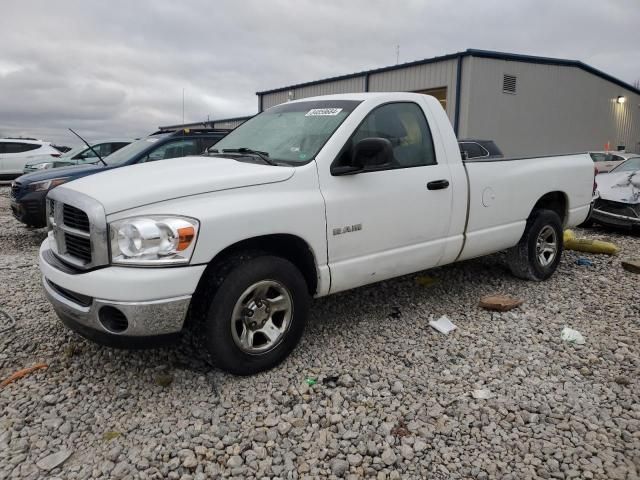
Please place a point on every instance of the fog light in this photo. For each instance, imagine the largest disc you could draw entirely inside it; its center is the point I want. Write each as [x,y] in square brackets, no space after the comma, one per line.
[113,320]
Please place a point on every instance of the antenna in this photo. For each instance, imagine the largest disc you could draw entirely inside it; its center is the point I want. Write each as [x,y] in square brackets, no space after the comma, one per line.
[397,54]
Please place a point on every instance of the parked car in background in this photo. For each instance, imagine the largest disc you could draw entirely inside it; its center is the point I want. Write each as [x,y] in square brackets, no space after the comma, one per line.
[16,152]
[79,155]
[618,202]
[28,192]
[306,199]
[62,148]
[481,149]
[607,161]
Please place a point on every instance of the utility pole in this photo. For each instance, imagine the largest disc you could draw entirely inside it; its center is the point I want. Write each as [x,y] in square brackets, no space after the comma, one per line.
[397,54]
[183,105]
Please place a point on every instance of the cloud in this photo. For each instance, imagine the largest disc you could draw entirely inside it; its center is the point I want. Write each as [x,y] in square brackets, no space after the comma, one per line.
[118,68]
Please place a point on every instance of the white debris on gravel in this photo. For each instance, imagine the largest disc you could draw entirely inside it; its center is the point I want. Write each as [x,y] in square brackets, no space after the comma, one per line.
[397,401]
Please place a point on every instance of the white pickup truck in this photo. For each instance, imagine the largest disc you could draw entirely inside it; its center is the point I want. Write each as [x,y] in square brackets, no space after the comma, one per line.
[306,199]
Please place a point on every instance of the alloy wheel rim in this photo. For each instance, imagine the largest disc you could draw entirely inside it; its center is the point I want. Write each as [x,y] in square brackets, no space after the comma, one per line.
[261,317]
[547,246]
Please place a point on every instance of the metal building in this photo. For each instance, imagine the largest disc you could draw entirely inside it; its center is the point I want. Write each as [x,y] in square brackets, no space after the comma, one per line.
[224,123]
[529,105]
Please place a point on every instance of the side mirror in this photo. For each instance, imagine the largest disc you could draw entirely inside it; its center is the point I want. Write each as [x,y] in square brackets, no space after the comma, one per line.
[369,154]
[372,154]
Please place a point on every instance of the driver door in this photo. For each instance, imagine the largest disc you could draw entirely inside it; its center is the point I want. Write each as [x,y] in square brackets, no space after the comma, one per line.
[388,222]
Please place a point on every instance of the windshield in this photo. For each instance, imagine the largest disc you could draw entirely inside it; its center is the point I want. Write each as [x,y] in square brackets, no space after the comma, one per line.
[292,132]
[127,153]
[73,152]
[630,165]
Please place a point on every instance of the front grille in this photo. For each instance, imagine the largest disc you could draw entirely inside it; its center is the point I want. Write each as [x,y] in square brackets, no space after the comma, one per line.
[75,218]
[78,247]
[32,206]
[78,234]
[15,188]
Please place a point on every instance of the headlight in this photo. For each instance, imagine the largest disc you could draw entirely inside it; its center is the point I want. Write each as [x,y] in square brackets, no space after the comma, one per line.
[42,166]
[46,184]
[153,240]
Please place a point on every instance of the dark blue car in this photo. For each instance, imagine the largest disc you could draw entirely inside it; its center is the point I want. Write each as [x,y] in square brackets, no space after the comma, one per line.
[28,192]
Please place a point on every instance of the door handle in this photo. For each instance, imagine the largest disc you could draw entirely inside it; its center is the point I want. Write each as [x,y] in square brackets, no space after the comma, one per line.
[438,184]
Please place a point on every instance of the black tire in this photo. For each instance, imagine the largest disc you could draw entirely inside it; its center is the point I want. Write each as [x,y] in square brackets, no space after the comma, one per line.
[523,259]
[217,299]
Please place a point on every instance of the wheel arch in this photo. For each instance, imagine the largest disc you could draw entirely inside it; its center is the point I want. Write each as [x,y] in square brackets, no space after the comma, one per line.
[288,246]
[556,201]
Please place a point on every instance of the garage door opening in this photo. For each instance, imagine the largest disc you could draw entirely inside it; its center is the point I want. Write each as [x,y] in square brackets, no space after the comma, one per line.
[440,93]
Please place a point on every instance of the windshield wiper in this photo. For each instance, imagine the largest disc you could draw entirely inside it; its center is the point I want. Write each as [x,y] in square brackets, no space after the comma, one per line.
[90,147]
[264,156]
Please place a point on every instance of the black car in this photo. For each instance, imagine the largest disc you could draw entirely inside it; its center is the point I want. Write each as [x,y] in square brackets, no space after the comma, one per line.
[28,192]
[472,149]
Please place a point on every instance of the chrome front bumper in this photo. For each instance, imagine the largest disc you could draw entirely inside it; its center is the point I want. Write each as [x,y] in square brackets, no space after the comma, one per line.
[144,319]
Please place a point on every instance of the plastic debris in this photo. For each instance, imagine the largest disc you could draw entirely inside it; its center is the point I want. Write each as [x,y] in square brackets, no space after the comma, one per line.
[54,460]
[107,436]
[572,336]
[482,394]
[443,325]
[632,266]
[587,245]
[311,381]
[499,303]
[22,373]
[584,262]
[426,281]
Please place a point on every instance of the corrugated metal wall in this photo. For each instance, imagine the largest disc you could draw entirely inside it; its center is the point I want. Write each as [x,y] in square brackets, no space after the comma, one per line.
[419,77]
[410,79]
[229,123]
[556,109]
[349,85]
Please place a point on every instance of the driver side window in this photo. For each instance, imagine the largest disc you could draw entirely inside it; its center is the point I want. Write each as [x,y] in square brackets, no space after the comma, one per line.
[405,126]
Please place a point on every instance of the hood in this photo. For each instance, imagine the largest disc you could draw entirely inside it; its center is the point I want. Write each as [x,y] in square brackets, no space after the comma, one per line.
[620,186]
[136,185]
[74,171]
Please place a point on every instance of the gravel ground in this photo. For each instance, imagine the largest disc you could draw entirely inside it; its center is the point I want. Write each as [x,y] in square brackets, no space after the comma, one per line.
[392,399]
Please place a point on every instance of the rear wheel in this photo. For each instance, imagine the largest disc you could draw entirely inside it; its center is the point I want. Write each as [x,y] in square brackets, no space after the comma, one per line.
[537,254]
[253,311]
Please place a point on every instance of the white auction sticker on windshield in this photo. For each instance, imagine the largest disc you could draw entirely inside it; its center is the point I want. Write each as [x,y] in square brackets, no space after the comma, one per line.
[323,112]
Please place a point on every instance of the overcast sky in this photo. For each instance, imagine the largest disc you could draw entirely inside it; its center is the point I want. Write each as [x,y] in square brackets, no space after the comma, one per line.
[117,68]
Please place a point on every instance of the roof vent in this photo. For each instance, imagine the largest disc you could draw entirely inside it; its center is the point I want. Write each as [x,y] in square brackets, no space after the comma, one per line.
[509,83]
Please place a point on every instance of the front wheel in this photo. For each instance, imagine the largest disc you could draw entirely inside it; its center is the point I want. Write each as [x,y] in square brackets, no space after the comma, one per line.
[537,254]
[255,313]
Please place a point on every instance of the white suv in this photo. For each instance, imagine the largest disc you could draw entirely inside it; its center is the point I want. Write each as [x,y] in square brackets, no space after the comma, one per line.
[16,152]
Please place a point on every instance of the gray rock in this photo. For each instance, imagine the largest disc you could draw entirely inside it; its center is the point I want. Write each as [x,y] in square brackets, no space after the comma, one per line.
[339,467]
[235,461]
[50,399]
[388,457]
[54,460]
